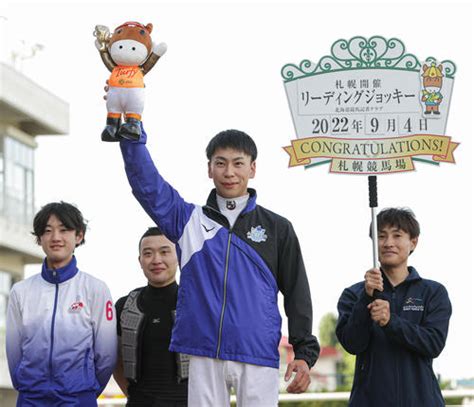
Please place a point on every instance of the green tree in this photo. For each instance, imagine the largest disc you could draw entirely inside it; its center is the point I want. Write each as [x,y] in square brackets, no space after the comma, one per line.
[327,330]
[327,337]
[346,369]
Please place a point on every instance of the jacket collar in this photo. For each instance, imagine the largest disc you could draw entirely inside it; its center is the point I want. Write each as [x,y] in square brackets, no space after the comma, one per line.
[251,203]
[412,276]
[60,275]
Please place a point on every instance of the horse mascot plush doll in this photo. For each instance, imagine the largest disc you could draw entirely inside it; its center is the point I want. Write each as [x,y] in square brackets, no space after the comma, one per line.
[129,54]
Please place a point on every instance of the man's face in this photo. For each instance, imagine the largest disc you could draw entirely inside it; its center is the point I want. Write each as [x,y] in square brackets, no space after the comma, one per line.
[58,243]
[158,260]
[231,170]
[395,246]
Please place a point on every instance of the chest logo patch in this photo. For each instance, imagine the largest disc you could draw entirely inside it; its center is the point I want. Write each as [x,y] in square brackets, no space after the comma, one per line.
[413,304]
[230,205]
[76,307]
[257,234]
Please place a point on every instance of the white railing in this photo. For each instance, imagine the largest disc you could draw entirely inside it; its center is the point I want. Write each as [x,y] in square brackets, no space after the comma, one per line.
[467,394]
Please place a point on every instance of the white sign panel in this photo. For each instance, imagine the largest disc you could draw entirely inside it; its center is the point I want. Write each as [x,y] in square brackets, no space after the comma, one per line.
[369,108]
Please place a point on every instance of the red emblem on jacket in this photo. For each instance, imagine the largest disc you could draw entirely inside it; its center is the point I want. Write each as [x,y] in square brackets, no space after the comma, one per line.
[76,306]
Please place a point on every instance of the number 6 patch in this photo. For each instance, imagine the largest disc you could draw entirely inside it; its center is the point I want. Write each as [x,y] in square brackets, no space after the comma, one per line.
[109,311]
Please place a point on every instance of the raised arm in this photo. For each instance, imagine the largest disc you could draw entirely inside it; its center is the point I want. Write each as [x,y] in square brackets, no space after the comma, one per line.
[157,52]
[102,35]
[158,198]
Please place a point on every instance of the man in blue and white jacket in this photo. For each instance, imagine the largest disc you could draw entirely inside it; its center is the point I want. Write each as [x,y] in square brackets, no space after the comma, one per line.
[234,258]
[60,338]
[395,322]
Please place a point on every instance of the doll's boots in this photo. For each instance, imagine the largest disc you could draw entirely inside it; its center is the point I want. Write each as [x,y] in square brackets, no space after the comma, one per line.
[114,131]
[130,130]
[111,129]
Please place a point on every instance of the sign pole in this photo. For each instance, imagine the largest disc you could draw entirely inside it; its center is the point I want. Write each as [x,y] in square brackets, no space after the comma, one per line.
[373,206]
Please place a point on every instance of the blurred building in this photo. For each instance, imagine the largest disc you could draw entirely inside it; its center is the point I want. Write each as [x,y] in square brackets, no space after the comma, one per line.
[26,111]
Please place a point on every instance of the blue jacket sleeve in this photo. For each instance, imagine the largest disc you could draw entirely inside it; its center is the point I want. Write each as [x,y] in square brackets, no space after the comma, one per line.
[354,324]
[429,337]
[159,200]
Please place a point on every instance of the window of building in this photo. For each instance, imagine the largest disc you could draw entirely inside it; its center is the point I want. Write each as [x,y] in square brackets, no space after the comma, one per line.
[16,180]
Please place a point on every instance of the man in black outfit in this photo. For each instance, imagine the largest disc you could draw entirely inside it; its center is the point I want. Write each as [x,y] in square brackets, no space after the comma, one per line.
[147,372]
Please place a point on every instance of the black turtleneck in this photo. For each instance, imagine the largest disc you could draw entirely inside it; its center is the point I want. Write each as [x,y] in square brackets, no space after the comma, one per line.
[158,364]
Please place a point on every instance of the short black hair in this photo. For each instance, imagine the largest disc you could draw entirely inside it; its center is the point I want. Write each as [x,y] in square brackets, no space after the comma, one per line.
[151,231]
[68,214]
[235,139]
[401,218]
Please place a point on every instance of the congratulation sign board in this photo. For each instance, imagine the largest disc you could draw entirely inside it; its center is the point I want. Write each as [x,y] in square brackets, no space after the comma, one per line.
[370,108]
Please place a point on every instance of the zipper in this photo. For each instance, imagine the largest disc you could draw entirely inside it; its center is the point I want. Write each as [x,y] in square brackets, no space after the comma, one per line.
[394,306]
[86,362]
[52,329]
[219,215]
[397,388]
[225,295]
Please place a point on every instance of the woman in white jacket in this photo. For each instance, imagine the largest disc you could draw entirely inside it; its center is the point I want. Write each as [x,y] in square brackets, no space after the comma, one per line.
[61,341]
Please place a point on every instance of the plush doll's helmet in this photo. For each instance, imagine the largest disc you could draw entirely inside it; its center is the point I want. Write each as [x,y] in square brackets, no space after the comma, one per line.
[130,43]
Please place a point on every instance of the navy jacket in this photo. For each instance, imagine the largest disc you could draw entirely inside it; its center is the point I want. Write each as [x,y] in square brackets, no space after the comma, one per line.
[230,277]
[394,363]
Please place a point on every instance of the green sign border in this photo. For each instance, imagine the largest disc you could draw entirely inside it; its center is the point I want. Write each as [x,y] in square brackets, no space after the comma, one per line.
[361,53]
